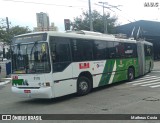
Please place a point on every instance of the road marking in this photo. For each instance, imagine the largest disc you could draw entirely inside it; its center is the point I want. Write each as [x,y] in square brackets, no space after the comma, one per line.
[151,84]
[141,80]
[155,86]
[156,71]
[3,83]
[148,80]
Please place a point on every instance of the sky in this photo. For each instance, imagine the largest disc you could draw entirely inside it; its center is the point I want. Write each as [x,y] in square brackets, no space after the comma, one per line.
[23,12]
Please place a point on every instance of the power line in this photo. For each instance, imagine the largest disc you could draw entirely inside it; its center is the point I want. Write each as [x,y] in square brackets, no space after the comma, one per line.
[48,4]
[116,7]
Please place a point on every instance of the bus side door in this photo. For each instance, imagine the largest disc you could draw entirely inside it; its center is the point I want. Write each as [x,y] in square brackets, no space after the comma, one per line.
[61,66]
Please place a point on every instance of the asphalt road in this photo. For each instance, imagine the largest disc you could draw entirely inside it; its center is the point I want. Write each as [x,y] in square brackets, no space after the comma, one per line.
[137,97]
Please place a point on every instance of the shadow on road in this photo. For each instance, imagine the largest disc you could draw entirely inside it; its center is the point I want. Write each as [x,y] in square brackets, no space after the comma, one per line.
[48,101]
[66,98]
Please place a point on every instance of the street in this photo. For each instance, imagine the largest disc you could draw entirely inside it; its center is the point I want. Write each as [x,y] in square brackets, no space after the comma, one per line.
[142,96]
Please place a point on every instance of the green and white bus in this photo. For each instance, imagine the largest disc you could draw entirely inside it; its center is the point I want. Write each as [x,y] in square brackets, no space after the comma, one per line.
[54,64]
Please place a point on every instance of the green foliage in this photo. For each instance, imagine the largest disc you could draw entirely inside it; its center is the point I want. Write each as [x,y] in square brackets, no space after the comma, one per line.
[82,22]
[16,30]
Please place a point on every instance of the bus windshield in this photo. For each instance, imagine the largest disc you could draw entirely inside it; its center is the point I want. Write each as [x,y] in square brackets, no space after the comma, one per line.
[30,58]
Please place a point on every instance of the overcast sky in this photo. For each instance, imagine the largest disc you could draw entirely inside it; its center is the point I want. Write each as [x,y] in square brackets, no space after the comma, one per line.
[22,13]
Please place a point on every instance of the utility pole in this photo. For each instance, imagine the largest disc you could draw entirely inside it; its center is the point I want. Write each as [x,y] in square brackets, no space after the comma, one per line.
[104,18]
[90,16]
[7,22]
[108,6]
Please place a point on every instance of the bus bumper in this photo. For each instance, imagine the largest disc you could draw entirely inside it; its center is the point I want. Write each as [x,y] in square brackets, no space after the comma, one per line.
[33,93]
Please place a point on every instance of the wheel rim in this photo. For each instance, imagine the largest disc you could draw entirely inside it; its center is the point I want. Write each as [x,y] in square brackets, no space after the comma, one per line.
[131,75]
[83,86]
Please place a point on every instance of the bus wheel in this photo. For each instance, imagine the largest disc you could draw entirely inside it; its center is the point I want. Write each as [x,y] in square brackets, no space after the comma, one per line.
[130,74]
[83,86]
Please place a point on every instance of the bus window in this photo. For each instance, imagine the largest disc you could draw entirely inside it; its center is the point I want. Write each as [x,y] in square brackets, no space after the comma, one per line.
[60,51]
[117,48]
[99,50]
[81,50]
[130,50]
[148,50]
[111,50]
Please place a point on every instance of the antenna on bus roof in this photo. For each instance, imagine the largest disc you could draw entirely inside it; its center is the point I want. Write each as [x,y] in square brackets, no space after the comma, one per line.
[132,37]
[138,32]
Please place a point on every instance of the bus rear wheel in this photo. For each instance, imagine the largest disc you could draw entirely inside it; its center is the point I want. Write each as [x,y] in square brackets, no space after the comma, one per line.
[83,86]
[130,74]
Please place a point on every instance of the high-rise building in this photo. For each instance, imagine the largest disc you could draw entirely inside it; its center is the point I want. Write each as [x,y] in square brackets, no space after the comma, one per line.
[42,21]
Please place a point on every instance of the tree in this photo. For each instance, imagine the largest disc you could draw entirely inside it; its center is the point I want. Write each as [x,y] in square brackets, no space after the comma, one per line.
[6,37]
[82,22]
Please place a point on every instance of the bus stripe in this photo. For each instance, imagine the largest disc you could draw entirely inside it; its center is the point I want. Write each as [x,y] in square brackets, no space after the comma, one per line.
[113,73]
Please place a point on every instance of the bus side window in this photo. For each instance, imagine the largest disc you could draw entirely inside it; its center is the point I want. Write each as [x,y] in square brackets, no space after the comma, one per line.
[111,50]
[53,51]
[81,50]
[129,50]
[60,51]
[99,49]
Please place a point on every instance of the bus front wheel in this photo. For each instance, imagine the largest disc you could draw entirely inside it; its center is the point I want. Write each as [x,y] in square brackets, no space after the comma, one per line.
[83,86]
[130,74]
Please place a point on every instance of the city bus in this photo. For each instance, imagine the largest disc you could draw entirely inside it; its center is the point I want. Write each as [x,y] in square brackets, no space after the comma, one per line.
[54,64]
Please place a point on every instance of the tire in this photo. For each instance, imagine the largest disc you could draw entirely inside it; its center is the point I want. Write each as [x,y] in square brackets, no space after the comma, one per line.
[130,74]
[83,86]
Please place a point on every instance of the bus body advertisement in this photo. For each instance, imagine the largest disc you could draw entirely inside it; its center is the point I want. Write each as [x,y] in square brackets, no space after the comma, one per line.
[54,64]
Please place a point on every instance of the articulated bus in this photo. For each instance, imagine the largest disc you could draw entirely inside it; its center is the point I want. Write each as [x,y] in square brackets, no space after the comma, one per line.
[54,64]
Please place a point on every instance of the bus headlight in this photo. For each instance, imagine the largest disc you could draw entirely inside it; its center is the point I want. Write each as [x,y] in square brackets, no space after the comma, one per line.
[47,84]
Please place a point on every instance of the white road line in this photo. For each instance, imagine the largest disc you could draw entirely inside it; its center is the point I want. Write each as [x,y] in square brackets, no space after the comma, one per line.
[155,86]
[146,82]
[145,77]
[137,81]
[151,84]
[156,71]
[3,83]
[148,77]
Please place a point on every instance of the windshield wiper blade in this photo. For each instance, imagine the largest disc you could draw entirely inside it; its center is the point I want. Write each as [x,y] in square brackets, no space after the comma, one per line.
[33,47]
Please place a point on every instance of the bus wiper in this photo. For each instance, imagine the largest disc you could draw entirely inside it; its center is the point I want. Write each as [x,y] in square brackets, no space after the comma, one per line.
[33,47]
[34,66]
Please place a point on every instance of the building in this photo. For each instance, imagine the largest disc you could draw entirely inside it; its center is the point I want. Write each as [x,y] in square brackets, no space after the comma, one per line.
[53,27]
[42,22]
[149,30]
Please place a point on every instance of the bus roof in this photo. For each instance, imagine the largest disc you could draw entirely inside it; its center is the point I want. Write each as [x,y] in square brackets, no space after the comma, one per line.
[83,35]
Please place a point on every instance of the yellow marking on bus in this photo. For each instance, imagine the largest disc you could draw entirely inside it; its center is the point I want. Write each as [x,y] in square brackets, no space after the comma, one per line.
[43,47]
